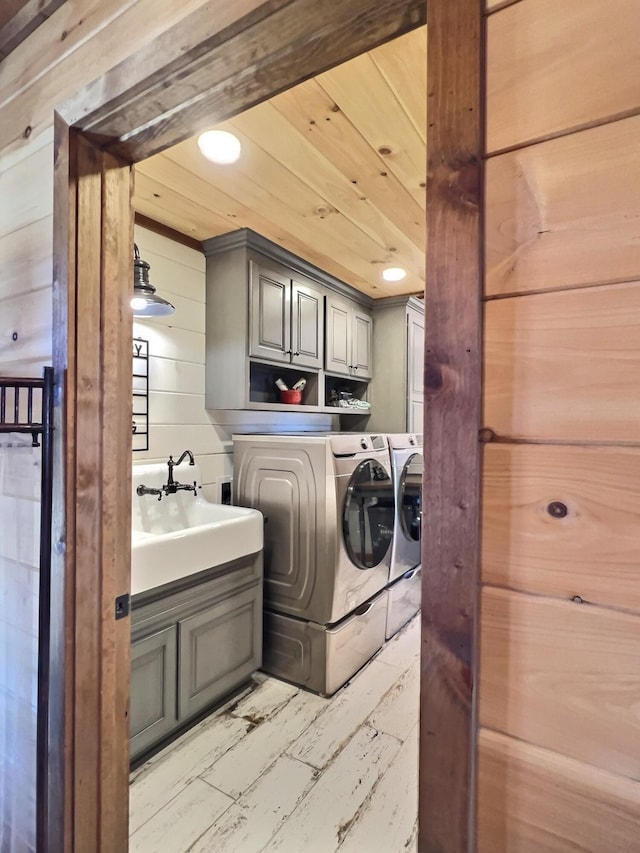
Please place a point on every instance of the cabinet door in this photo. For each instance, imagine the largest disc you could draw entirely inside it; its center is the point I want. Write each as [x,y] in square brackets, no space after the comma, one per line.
[270,317]
[219,649]
[338,342]
[307,324]
[361,356]
[415,371]
[153,689]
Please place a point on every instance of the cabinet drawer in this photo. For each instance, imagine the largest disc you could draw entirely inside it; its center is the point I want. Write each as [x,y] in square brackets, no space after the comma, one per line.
[404,600]
[319,657]
[218,649]
[153,689]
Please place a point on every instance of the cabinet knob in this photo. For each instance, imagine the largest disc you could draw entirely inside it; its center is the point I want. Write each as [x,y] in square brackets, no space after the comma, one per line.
[296,353]
[288,352]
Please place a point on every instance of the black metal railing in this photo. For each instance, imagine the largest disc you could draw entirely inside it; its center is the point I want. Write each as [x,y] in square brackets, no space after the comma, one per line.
[26,406]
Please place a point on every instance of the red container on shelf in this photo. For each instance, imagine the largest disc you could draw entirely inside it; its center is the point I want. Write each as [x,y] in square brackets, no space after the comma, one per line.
[290,396]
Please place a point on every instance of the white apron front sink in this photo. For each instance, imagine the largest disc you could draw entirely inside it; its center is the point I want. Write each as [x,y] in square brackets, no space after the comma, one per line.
[182,534]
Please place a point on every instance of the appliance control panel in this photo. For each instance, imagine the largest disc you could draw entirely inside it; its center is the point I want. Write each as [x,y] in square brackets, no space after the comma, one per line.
[347,444]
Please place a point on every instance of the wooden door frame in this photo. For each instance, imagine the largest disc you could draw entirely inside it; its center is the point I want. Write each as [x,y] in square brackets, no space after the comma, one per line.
[236,54]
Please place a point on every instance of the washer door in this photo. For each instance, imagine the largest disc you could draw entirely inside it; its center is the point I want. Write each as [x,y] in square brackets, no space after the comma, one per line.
[367,518]
[410,497]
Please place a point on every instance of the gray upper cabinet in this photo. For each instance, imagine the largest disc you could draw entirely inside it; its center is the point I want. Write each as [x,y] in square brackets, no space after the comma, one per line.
[348,339]
[266,321]
[287,318]
[397,390]
[415,372]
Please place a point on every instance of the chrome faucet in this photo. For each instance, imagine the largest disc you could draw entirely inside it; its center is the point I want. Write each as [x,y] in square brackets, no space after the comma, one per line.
[171,487]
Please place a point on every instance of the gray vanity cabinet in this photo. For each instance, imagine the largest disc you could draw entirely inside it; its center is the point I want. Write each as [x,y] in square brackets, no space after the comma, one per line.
[153,701]
[286,317]
[349,336]
[193,643]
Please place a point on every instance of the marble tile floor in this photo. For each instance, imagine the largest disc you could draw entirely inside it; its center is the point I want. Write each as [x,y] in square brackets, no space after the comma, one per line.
[281,769]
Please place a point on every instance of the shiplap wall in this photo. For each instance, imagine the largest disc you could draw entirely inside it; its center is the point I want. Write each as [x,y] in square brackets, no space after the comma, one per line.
[177,415]
[80,41]
[559,744]
[19,560]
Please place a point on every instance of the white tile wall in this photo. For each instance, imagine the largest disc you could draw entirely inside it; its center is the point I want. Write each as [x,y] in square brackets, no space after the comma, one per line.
[177,415]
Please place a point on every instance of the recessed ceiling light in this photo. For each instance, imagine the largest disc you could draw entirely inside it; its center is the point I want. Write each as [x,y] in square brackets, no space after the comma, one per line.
[219,146]
[393,274]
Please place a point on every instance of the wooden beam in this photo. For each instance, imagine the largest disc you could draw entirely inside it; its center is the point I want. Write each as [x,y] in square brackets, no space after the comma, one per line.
[28,15]
[59,814]
[219,61]
[93,246]
[166,231]
[450,536]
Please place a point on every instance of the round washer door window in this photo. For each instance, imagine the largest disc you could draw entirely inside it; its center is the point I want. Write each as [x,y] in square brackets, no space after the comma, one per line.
[367,519]
[410,497]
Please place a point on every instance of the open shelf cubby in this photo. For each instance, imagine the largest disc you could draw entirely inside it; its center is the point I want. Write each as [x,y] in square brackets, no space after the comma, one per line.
[336,387]
[263,388]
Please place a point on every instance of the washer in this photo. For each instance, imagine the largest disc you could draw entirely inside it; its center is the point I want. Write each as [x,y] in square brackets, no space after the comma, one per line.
[329,514]
[405,571]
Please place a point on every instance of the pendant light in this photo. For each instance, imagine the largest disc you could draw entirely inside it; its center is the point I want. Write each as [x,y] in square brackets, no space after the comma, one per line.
[145,302]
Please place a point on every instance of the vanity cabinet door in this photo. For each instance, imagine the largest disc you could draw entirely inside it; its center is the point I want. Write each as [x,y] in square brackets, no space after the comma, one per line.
[218,649]
[153,689]
[270,314]
[307,324]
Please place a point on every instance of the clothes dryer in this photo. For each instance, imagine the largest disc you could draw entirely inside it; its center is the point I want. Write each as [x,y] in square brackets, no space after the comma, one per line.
[329,514]
[405,572]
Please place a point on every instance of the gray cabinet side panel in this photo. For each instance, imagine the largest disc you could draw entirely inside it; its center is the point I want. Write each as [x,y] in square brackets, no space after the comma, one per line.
[388,388]
[415,378]
[415,329]
[227,313]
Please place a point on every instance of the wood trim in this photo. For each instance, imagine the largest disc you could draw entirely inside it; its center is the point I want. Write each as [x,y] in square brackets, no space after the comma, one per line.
[28,18]
[93,247]
[166,231]
[93,235]
[233,61]
[61,680]
[450,535]
[497,5]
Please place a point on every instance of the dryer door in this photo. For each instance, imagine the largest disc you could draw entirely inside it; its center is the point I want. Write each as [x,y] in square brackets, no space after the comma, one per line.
[367,517]
[410,497]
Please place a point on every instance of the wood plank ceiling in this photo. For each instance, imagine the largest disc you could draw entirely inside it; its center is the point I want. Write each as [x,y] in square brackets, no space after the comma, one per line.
[19,18]
[334,170]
